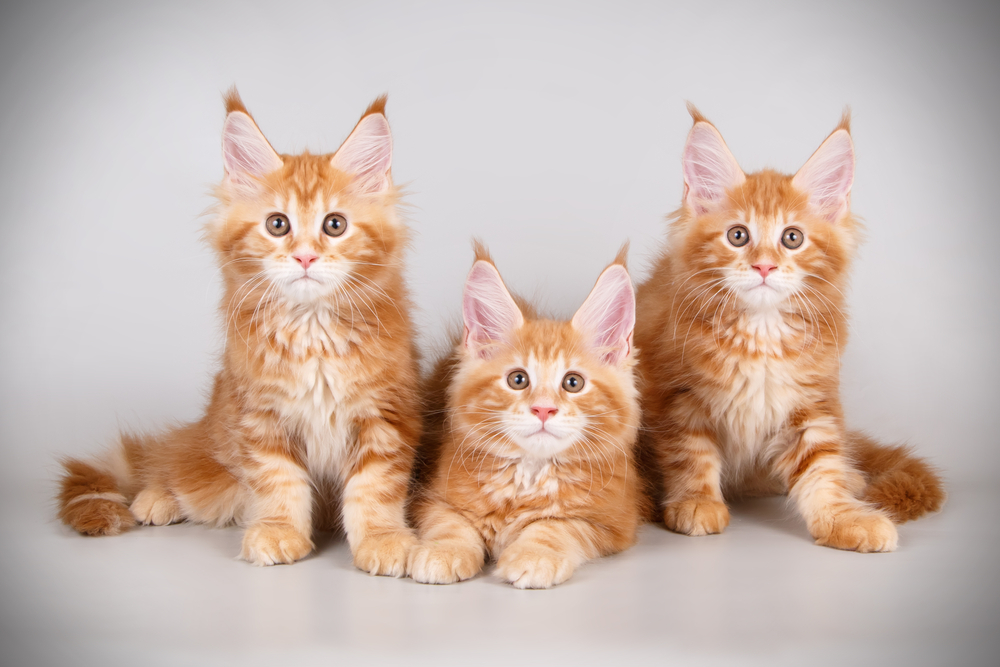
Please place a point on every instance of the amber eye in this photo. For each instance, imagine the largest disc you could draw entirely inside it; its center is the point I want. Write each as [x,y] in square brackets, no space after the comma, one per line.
[792,238]
[738,236]
[334,224]
[573,382]
[517,380]
[277,225]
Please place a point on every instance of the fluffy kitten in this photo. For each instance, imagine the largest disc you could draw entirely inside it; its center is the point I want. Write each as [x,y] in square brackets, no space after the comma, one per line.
[313,416]
[742,323]
[528,452]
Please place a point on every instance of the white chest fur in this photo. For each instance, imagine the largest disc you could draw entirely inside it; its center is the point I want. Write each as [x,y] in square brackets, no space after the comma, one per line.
[762,386]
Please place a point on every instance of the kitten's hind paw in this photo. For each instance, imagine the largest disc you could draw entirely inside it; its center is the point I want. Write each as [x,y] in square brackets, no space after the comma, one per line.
[856,530]
[696,516]
[444,563]
[534,566]
[274,543]
[156,507]
[385,553]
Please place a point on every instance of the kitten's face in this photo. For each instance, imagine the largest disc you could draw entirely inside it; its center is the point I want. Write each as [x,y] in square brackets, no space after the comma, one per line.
[765,241]
[308,237]
[765,250]
[543,394]
[304,229]
[538,388]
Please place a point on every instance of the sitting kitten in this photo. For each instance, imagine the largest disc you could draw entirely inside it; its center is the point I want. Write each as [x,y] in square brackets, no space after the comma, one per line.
[314,409]
[742,323]
[528,454]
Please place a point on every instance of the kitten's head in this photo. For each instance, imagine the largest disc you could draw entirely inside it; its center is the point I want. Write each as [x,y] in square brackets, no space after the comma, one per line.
[306,228]
[535,387]
[766,239]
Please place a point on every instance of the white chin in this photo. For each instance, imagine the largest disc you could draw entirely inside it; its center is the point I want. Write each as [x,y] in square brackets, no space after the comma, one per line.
[305,290]
[543,444]
[762,297]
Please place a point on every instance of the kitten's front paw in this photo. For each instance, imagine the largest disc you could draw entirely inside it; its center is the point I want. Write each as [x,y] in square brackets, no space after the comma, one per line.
[385,553]
[273,543]
[696,516]
[533,566]
[444,562]
[156,507]
[856,530]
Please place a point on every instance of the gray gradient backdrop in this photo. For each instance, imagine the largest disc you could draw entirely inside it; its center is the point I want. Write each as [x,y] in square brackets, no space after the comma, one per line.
[552,131]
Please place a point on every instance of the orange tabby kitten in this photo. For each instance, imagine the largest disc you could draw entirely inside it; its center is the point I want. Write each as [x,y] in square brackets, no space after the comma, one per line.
[741,331]
[528,453]
[313,417]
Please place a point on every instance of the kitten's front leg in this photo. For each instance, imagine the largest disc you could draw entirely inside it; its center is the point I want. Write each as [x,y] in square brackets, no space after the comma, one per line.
[375,498]
[547,552]
[692,473]
[280,505]
[826,489]
[451,549]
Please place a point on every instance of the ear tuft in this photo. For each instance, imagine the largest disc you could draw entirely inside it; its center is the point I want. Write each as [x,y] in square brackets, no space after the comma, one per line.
[367,153]
[710,170]
[233,102]
[828,175]
[607,317]
[490,314]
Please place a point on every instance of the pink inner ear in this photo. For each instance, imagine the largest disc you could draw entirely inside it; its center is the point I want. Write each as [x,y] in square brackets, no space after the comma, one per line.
[489,312]
[608,315]
[709,168]
[828,175]
[367,154]
[246,154]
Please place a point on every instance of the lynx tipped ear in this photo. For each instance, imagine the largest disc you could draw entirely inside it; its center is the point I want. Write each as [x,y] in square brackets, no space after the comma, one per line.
[246,154]
[828,175]
[367,153]
[709,168]
[489,312]
[608,315]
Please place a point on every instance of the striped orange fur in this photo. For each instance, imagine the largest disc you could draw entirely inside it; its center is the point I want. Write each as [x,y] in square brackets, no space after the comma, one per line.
[491,484]
[314,417]
[741,327]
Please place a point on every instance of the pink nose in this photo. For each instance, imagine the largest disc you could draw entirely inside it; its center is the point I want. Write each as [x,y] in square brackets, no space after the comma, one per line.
[543,412]
[305,259]
[764,269]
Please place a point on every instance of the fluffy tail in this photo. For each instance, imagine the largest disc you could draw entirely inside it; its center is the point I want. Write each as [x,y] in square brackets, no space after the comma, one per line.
[903,485]
[94,496]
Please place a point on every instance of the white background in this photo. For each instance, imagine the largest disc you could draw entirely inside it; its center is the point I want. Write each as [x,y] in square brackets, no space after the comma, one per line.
[553,132]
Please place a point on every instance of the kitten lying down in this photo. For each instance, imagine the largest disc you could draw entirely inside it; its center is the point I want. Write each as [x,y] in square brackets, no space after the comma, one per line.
[528,452]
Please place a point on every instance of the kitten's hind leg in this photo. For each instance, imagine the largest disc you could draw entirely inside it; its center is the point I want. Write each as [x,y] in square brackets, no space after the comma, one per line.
[826,487]
[450,549]
[156,506]
[692,468]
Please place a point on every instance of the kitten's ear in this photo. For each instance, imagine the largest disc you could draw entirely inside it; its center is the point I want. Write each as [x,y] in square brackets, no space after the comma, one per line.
[367,153]
[608,315]
[709,168]
[246,154]
[489,312]
[828,175]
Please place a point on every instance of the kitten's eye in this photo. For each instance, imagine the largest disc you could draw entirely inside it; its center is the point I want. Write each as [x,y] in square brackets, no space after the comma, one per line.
[792,238]
[573,382]
[517,380]
[738,236]
[277,225]
[335,224]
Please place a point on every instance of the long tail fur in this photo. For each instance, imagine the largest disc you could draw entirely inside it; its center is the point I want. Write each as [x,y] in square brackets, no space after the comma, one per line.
[903,485]
[94,496]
